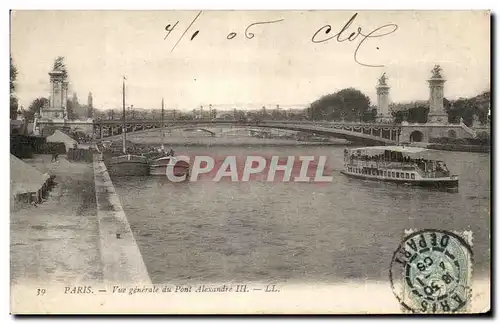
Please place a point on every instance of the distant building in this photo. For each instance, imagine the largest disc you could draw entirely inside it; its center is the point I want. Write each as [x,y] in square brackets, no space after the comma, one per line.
[89,100]
[82,111]
[74,100]
[90,106]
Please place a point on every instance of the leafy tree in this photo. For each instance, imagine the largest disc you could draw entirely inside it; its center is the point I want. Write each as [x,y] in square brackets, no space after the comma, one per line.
[483,105]
[70,110]
[467,108]
[370,115]
[411,112]
[398,116]
[461,108]
[13,100]
[348,104]
[14,105]
[35,107]
[418,114]
[13,76]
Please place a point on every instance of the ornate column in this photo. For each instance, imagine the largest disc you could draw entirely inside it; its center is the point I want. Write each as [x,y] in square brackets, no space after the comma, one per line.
[57,106]
[64,100]
[383,115]
[437,114]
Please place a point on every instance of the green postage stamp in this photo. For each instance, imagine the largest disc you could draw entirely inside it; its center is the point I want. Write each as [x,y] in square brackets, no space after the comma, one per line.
[431,271]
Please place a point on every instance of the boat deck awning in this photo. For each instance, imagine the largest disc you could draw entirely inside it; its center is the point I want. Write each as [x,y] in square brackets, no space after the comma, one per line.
[404,150]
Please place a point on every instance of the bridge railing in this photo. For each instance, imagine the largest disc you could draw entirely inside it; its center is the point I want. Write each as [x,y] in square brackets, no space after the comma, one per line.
[468,130]
[243,122]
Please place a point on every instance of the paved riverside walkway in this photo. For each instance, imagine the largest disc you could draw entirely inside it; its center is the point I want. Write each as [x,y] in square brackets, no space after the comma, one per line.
[57,241]
[122,261]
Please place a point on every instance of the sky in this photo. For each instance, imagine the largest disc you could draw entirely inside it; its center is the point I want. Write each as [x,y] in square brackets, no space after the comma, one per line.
[280,65]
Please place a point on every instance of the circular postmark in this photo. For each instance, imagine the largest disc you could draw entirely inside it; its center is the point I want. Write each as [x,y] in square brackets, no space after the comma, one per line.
[431,272]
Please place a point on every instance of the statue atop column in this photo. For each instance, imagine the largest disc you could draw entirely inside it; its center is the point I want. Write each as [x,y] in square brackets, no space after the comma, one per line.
[58,94]
[382,80]
[436,72]
[59,66]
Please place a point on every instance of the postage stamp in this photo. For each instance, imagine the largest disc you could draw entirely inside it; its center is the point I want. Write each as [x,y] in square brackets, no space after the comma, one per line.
[431,271]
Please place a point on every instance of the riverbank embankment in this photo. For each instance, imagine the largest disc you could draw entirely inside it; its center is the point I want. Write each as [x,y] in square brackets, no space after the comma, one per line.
[121,259]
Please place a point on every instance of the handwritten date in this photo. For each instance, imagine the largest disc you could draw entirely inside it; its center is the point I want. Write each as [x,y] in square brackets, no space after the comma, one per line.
[248,34]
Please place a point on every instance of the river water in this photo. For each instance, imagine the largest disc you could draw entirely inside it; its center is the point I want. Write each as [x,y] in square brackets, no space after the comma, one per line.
[331,232]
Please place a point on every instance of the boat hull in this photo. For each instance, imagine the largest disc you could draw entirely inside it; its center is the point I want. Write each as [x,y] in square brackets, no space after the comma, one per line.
[159,167]
[162,170]
[127,166]
[450,183]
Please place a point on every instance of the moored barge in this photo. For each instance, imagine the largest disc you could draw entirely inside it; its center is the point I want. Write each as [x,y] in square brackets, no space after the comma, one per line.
[160,166]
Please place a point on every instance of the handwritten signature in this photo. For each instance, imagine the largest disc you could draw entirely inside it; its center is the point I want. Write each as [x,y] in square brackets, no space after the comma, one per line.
[320,36]
[341,36]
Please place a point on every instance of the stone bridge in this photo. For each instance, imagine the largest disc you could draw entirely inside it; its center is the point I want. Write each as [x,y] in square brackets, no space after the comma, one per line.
[361,133]
[365,133]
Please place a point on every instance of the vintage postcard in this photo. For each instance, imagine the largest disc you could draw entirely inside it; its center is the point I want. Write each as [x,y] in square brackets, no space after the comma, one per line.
[250,162]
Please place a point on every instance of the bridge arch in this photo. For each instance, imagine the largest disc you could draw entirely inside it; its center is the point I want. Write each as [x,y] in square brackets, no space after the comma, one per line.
[367,134]
[196,129]
[78,130]
[416,136]
[249,130]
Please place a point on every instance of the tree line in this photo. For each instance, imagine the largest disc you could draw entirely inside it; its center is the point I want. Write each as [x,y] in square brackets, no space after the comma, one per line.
[351,105]
[466,109]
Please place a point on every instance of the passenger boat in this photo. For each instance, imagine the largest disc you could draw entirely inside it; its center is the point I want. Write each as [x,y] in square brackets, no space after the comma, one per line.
[399,164]
[159,166]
